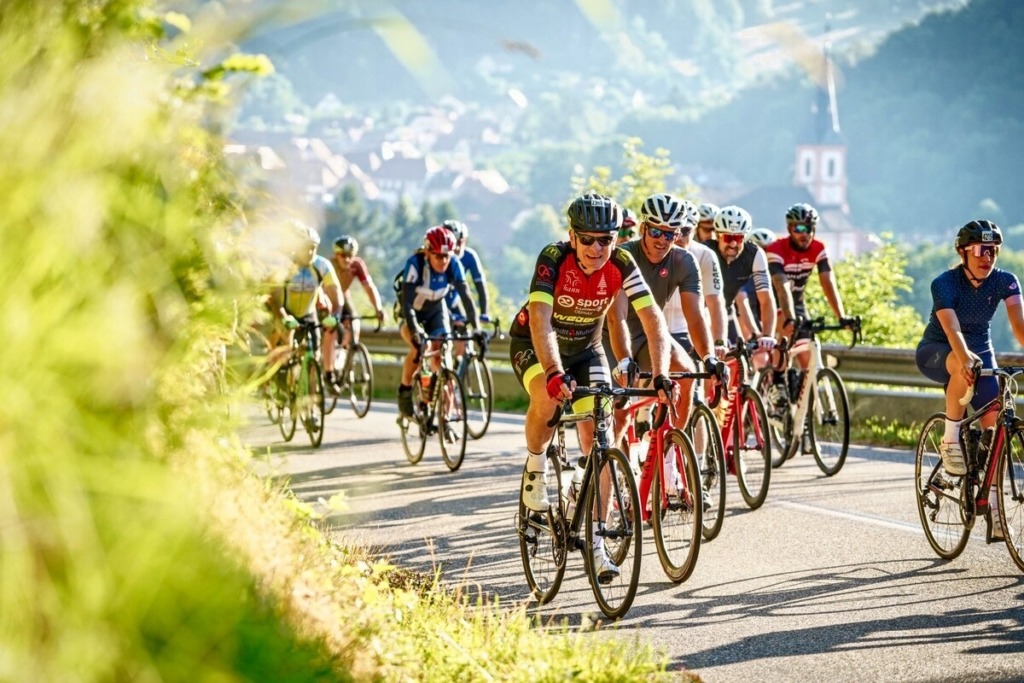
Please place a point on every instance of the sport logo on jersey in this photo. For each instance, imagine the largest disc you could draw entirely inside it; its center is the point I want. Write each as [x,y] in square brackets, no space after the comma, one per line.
[544,273]
[566,301]
[571,281]
[663,272]
[602,287]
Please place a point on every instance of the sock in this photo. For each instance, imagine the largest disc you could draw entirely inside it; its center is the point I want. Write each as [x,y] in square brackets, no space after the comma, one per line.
[952,431]
[536,462]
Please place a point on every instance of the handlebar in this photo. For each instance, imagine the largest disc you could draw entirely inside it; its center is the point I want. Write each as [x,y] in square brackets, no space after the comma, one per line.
[1005,373]
[598,390]
[817,325]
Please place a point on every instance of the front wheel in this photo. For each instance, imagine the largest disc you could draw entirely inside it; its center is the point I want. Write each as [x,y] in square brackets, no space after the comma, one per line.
[618,523]
[413,429]
[451,418]
[1011,496]
[677,509]
[780,415]
[312,403]
[829,421]
[479,396]
[938,494]
[706,437]
[359,380]
[542,540]
[289,412]
[753,449]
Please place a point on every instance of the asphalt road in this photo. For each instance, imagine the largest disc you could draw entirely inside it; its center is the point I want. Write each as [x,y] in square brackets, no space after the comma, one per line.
[832,579]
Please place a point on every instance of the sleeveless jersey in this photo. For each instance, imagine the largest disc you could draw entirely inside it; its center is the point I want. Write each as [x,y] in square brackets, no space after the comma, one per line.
[580,301]
[356,271]
[796,265]
[974,306]
[302,288]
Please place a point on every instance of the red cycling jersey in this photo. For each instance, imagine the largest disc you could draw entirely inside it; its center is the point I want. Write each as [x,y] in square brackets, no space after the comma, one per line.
[797,265]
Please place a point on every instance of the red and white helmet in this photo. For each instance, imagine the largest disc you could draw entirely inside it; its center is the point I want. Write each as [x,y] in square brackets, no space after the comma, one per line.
[439,240]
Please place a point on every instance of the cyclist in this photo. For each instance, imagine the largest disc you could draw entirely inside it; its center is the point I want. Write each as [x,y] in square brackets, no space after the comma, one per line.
[473,268]
[310,284]
[627,230]
[706,222]
[556,337]
[958,335]
[741,261]
[672,275]
[349,268]
[428,275]
[748,309]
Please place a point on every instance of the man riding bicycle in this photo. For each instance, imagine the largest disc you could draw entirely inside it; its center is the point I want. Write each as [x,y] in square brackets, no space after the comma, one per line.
[349,268]
[556,336]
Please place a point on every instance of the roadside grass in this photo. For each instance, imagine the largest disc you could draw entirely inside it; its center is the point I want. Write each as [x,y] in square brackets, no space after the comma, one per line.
[894,433]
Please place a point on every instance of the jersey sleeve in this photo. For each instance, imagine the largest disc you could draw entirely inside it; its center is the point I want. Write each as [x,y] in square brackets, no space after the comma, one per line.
[776,262]
[471,264]
[545,275]
[943,292]
[1011,290]
[710,273]
[690,280]
[358,269]
[821,261]
[326,271]
[759,271]
[633,283]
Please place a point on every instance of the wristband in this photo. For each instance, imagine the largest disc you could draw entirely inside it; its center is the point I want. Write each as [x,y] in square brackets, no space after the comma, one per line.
[719,342]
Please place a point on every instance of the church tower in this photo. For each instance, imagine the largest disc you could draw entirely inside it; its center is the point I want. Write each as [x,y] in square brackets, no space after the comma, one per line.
[821,152]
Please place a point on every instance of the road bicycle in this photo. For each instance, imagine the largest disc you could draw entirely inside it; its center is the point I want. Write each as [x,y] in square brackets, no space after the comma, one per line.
[439,406]
[671,470]
[355,379]
[949,505]
[746,443]
[821,409]
[298,391]
[706,436]
[475,374]
[570,523]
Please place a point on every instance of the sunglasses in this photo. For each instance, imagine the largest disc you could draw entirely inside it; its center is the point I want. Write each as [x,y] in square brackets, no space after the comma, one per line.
[732,239]
[661,233]
[980,250]
[800,228]
[439,255]
[588,240]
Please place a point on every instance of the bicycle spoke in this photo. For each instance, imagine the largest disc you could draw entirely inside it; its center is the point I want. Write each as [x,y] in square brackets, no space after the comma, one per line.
[677,508]
[829,421]
[620,524]
[1011,496]
[938,494]
[706,438]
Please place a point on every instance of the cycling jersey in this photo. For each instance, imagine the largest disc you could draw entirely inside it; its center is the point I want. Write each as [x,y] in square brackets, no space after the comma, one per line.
[711,282]
[974,306]
[580,301]
[796,265]
[677,272]
[424,290]
[749,263]
[356,270]
[471,265]
[301,289]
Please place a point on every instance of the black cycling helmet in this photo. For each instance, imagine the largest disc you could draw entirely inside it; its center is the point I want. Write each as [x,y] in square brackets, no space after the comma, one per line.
[802,213]
[346,245]
[594,213]
[977,232]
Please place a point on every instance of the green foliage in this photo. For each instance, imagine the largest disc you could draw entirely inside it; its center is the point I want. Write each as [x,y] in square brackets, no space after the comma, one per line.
[893,433]
[642,176]
[870,286]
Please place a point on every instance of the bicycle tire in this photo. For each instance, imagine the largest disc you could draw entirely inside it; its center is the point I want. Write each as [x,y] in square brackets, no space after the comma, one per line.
[542,540]
[412,429]
[623,541]
[289,412]
[829,426]
[780,421]
[479,386]
[451,419]
[677,509]
[1011,495]
[360,380]
[330,398]
[753,460]
[706,437]
[312,404]
[938,494]
[272,399]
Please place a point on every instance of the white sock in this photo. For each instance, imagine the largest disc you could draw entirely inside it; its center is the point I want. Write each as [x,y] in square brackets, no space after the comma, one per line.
[536,462]
[952,431]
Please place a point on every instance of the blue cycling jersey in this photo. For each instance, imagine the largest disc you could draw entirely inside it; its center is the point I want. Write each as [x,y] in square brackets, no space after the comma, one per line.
[974,306]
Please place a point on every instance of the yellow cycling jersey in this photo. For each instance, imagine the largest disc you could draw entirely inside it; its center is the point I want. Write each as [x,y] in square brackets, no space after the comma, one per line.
[301,289]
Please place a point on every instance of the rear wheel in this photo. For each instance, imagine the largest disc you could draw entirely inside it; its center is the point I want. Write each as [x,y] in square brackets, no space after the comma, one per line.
[479,396]
[289,412]
[622,537]
[1011,496]
[312,403]
[938,494]
[542,541]
[780,417]
[677,508]
[706,437]
[413,429]
[451,418]
[829,421]
[360,380]
[753,450]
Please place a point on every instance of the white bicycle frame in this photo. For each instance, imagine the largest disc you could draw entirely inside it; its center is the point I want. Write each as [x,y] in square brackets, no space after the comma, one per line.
[826,403]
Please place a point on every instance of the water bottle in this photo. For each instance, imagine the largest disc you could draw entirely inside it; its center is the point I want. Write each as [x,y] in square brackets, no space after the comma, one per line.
[574,487]
[972,439]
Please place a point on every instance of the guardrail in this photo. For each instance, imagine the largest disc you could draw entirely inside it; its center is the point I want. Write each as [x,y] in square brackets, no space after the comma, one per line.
[881,382]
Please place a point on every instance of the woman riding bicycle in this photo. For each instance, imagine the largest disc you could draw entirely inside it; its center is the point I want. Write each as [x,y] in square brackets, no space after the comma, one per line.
[958,334]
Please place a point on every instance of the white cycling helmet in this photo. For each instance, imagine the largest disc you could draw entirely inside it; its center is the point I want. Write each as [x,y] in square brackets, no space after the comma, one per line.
[707,211]
[762,237]
[732,220]
[664,210]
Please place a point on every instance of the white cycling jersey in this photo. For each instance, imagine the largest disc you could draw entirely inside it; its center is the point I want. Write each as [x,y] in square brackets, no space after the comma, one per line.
[711,282]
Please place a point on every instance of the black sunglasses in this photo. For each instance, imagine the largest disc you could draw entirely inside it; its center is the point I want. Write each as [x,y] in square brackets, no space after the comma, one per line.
[588,240]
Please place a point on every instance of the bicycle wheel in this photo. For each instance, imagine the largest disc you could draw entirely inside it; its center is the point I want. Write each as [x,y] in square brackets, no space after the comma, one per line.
[829,421]
[330,398]
[706,437]
[622,534]
[938,494]
[1011,496]
[360,380]
[542,540]
[754,450]
[289,412]
[313,404]
[479,395]
[273,399]
[413,430]
[677,508]
[780,417]
[451,418]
